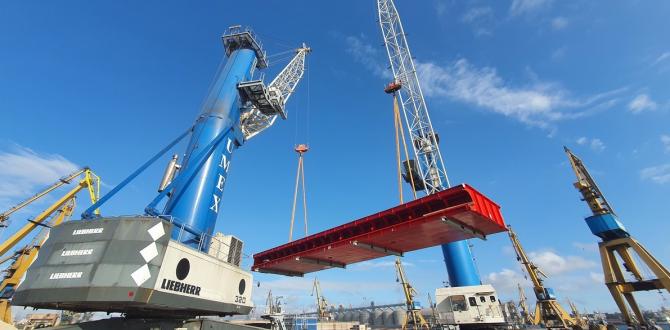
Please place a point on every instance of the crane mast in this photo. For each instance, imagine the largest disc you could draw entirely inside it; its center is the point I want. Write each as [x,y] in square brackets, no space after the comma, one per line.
[321,303]
[523,305]
[174,255]
[548,311]
[238,108]
[413,317]
[426,172]
[618,244]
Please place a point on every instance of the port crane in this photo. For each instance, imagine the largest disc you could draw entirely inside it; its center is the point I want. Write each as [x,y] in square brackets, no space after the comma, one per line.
[413,318]
[321,303]
[617,241]
[168,263]
[274,312]
[426,171]
[548,312]
[523,305]
[52,216]
[4,216]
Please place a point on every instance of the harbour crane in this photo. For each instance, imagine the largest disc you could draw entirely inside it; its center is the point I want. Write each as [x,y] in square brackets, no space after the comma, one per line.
[413,318]
[52,216]
[168,262]
[321,303]
[274,312]
[426,171]
[548,312]
[577,316]
[4,216]
[523,305]
[617,241]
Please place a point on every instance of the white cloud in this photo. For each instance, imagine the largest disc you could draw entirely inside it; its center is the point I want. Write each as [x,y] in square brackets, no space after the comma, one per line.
[559,23]
[506,280]
[595,143]
[665,139]
[477,13]
[553,264]
[536,105]
[641,103]
[24,172]
[597,277]
[367,55]
[559,53]
[662,58]
[520,7]
[479,18]
[659,174]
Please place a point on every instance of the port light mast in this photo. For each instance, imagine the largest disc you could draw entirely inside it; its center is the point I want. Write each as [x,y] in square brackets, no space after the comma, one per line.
[426,172]
[617,241]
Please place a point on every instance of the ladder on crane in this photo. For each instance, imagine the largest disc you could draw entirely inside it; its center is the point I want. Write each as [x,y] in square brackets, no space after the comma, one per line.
[617,241]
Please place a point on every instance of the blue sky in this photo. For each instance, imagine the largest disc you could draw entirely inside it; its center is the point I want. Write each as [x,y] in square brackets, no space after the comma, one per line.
[508,83]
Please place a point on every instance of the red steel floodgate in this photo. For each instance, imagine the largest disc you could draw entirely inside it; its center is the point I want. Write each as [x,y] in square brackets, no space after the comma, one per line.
[451,215]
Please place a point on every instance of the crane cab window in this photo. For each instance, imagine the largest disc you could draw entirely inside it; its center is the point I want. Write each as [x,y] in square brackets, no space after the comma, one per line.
[473,301]
[458,303]
[482,299]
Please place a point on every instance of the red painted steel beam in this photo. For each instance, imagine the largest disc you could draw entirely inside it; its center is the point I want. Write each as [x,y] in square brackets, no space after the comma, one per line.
[451,215]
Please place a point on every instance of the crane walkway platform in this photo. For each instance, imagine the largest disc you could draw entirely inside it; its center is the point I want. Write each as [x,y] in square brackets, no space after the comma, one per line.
[455,214]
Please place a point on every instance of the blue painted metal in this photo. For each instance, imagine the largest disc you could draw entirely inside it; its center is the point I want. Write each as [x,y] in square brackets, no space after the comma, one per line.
[606,226]
[185,176]
[195,202]
[460,264]
[89,213]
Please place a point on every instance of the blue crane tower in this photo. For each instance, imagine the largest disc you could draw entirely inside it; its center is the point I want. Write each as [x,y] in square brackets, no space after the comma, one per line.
[167,263]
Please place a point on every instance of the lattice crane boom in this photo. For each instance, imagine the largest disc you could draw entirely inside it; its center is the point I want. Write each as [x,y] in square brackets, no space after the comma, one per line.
[279,91]
[430,167]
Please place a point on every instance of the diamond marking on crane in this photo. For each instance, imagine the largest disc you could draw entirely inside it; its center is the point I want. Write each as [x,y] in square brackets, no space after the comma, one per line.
[157,231]
[141,275]
[148,253]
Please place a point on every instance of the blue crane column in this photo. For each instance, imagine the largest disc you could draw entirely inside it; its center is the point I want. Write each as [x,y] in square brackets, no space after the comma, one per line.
[460,264]
[195,203]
